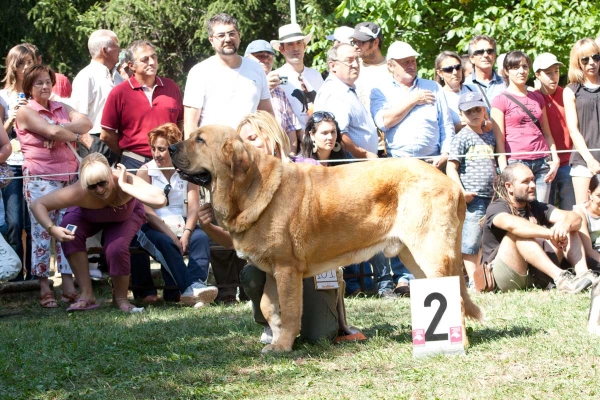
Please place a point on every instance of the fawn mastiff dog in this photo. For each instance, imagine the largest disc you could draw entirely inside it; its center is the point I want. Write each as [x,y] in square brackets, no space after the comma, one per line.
[298,220]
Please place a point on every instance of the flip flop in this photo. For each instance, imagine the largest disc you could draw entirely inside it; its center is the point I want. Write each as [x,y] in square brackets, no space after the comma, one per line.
[356,337]
[47,300]
[69,298]
[130,308]
[87,305]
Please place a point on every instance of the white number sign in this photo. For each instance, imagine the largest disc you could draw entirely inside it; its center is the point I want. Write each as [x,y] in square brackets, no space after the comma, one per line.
[326,280]
[436,316]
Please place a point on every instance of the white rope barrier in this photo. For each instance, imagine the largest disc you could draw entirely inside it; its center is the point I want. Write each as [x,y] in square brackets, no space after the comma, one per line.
[345,160]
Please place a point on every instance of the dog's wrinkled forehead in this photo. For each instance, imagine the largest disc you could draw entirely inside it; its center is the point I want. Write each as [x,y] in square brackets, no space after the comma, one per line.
[215,134]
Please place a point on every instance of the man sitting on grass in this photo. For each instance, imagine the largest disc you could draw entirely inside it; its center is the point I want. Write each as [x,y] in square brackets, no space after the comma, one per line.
[520,232]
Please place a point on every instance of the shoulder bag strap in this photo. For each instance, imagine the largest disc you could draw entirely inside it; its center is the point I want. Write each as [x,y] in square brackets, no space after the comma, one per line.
[484,95]
[517,102]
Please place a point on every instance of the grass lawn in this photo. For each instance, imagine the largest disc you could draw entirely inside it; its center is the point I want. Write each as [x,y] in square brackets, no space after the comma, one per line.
[533,345]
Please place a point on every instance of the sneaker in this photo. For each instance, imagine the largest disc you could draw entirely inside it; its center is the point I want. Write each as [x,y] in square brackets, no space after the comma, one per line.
[569,283]
[267,335]
[387,294]
[402,289]
[199,292]
[592,276]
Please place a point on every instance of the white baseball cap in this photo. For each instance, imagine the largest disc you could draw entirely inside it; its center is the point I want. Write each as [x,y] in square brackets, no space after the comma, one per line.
[545,60]
[400,50]
[342,34]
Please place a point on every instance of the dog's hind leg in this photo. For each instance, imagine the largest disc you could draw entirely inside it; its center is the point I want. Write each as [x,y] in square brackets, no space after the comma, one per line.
[289,292]
[269,305]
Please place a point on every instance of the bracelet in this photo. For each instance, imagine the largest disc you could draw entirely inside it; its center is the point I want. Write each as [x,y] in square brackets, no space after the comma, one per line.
[188,229]
[77,137]
[50,227]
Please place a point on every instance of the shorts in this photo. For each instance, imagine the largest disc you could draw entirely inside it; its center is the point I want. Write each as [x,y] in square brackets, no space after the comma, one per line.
[473,226]
[581,171]
[507,279]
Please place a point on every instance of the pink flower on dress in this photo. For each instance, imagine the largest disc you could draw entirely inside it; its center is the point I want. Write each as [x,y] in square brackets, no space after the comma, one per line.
[40,251]
[41,268]
[44,235]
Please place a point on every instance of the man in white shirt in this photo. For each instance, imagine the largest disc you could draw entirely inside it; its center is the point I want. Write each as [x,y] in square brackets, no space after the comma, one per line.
[303,82]
[225,87]
[93,84]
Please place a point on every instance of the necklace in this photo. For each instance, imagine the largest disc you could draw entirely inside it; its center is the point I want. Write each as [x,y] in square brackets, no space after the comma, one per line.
[113,204]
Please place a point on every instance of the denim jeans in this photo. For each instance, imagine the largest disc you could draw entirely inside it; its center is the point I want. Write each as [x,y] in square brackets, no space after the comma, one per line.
[401,273]
[540,169]
[162,248]
[382,274]
[561,189]
[17,219]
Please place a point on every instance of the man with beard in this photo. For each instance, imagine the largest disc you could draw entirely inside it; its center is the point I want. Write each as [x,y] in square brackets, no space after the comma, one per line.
[520,233]
[367,39]
[225,87]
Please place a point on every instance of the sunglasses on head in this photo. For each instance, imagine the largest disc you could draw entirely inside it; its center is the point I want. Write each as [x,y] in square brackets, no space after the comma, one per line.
[586,60]
[166,191]
[321,115]
[481,51]
[101,184]
[451,68]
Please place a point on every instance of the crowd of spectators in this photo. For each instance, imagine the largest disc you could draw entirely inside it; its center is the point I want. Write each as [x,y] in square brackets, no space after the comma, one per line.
[532,203]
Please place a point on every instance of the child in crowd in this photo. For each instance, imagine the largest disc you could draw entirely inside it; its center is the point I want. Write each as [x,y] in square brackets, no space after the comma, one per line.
[472,165]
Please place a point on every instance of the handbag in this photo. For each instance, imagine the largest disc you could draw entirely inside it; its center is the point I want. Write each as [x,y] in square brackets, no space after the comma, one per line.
[483,278]
[6,175]
[10,265]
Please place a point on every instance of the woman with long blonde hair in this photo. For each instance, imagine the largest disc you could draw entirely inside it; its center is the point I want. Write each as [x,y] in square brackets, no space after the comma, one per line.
[582,110]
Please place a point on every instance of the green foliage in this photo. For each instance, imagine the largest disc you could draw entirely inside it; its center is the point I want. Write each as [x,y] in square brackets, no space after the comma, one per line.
[60,28]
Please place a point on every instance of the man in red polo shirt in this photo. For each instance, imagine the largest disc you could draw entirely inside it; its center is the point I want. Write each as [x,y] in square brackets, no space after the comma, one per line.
[138,105]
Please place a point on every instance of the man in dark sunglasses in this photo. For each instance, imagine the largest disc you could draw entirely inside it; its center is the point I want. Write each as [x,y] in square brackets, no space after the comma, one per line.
[482,53]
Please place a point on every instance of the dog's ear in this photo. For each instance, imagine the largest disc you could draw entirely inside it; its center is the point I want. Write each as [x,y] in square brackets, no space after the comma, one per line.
[235,151]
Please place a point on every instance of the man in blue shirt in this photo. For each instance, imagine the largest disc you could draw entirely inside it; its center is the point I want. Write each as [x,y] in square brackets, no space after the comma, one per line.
[482,53]
[411,111]
[338,96]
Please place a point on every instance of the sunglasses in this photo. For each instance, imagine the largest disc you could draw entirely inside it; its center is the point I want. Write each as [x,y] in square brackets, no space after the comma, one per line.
[586,60]
[356,42]
[451,68]
[321,115]
[481,51]
[101,184]
[167,190]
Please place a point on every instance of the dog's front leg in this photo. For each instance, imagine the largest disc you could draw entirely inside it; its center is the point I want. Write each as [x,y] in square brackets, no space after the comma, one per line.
[269,305]
[289,291]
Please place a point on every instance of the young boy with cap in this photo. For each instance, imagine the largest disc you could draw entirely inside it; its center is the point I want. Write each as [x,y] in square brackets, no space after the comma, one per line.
[471,164]
[546,69]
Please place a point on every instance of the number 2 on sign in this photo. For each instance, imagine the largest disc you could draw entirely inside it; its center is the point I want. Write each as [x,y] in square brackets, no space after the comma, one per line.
[430,336]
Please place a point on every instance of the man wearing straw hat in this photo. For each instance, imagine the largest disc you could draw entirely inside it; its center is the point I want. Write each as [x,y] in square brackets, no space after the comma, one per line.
[303,82]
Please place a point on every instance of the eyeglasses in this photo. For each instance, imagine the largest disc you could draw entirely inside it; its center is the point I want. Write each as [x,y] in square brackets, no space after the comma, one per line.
[481,51]
[321,115]
[40,85]
[166,191]
[586,60]
[101,184]
[359,43]
[349,63]
[222,36]
[451,68]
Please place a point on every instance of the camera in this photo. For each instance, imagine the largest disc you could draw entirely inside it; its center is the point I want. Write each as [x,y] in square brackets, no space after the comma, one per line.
[283,80]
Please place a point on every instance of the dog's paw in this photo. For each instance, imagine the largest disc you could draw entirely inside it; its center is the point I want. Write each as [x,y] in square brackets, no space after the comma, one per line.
[277,348]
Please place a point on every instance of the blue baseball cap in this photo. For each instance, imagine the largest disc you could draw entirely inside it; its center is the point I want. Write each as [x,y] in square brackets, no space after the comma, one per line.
[469,100]
[257,46]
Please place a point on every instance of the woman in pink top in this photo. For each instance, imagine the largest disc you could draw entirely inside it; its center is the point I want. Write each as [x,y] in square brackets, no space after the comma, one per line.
[525,136]
[44,128]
